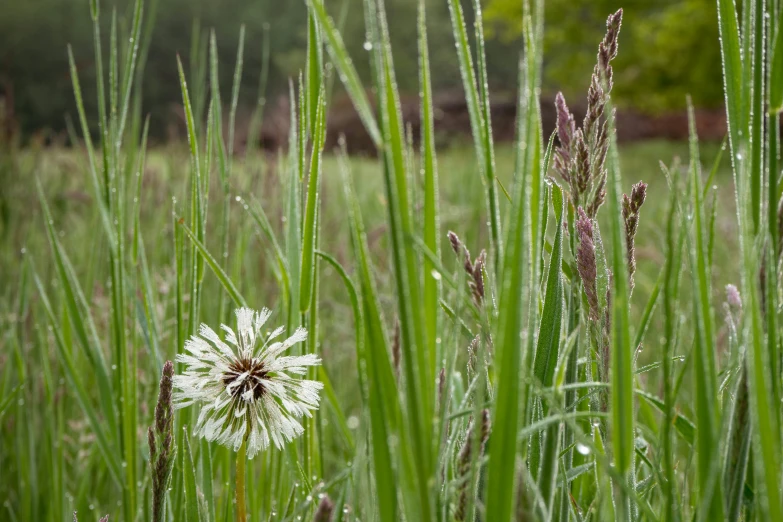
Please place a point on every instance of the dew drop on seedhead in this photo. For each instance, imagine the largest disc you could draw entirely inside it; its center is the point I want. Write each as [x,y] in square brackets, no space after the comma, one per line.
[582,449]
[368,46]
[435,275]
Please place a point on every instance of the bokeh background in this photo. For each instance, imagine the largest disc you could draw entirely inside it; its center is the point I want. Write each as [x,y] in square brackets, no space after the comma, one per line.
[669,50]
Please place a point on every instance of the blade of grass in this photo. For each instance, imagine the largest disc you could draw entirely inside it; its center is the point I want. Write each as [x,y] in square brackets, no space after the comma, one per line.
[383,404]
[705,377]
[309,231]
[547,352]
[346,70]
[431,232]
[622,352]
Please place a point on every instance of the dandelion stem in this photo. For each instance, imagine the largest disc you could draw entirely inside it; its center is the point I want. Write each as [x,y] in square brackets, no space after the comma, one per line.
[241,457]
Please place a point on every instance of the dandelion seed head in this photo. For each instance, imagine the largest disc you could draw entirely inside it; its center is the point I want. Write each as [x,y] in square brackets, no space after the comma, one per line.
[245,388]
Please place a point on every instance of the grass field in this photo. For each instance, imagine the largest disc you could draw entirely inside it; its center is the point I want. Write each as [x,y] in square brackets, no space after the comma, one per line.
[62,174]
[585,348]
[64,179]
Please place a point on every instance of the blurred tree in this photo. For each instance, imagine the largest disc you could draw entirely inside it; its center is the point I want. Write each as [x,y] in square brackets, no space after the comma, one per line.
[668,48]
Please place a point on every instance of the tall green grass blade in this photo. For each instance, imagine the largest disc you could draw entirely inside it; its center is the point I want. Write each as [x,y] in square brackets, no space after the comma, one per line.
[515,287]
[383,404]
[414,355]
[622,352]
[128,76]
[757,112]
[705,376]
[225,281]
[478,110]
[431,233]
[486,135]
[549,330]
[232,113]
[313,75]
[776,66]
[98,189]
[346,70]
[189,473]
[728,25]
[310,226]
[737,450]
[547,353]
[670,275]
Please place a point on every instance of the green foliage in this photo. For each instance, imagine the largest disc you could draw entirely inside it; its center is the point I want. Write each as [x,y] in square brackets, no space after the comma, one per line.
[671,51]
[503,391]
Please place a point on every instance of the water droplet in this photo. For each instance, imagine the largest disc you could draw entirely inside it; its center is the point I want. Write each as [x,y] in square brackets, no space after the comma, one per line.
[92,506]
[368,46]
[739,156]
[582,449]
[309,498]
[353,422]
[124,464]
[435,275]
[238,198]
[114,367]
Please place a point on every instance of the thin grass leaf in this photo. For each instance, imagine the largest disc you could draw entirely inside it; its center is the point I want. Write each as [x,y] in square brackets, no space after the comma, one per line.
[310,228]
[732,72]
[346,70]
[191,494]
[383,404]
[431,229]
[547,353]
[622,352]
[478,110]
[705,376]
[228,285]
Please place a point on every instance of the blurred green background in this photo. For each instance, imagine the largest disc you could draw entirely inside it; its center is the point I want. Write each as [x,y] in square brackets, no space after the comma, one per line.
[669,49]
